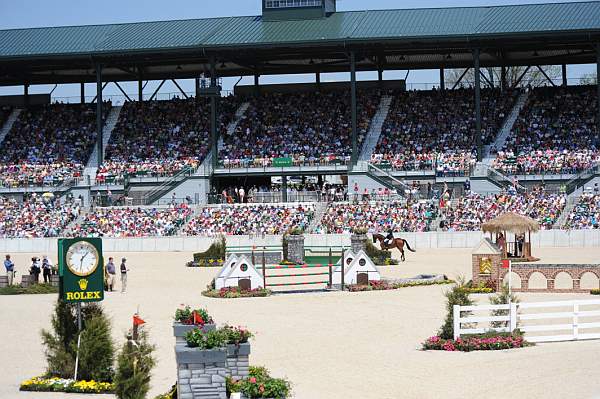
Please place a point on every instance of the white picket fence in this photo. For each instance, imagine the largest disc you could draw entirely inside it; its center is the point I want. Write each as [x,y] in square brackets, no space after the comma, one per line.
[529,319]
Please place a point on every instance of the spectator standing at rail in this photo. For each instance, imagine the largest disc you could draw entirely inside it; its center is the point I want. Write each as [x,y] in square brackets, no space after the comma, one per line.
[124,271]
[10,269]
[46,269]
[35,270]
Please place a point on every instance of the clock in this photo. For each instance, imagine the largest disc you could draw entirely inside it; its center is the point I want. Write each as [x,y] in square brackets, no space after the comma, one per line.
[82,258]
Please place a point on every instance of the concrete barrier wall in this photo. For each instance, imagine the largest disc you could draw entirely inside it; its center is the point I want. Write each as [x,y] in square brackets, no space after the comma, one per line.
[468,239]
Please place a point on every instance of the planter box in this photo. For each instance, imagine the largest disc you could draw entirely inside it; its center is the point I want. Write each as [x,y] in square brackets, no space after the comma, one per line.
[238,361]
[238,350]
[179,330]
[185,354]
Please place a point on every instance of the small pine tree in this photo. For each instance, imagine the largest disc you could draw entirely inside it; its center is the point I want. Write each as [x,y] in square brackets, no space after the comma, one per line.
[134,365]
[456,296]
[60,355]
[501,298]
[96,352]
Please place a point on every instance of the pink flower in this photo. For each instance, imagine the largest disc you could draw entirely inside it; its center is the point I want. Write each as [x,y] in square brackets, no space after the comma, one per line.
[252,380]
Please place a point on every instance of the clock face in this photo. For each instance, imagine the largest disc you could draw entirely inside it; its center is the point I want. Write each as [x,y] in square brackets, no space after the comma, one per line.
[82,258]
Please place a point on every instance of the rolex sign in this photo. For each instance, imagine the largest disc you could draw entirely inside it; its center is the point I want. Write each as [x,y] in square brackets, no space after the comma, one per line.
[81,269]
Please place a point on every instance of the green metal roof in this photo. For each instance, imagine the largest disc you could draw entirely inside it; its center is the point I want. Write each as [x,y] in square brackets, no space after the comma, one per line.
[340,26]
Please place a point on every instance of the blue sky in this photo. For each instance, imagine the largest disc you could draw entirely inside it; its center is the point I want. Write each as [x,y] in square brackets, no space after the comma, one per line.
[35,13]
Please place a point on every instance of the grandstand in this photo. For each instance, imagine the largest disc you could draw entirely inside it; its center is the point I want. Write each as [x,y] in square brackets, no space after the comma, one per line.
[439,155]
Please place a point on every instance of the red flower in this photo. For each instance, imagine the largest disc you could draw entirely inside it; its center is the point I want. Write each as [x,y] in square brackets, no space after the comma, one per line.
[252,380]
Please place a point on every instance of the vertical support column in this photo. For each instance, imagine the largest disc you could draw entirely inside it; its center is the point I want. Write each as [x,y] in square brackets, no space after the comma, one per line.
[478,105]
[140,90]
[318,79]
[82,92]
[564,75]
[99,121]
[380,74]
[197,87]
[213,115]
[598,84]
[284,196]
[256,84]
[353,106]
[26,95]
[442,80]
[503,78]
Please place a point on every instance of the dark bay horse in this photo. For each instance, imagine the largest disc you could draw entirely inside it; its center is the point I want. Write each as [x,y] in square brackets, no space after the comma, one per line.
[396,243]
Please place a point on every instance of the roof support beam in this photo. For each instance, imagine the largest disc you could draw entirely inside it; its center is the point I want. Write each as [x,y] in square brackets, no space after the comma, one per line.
[489,83]
[545,75]
[564,75]
[26,95]
[99,121]
[353,107]
[442,80]
[82,92]
[179,87]
[157,89]
[103,87]
[521,77]
[503,78]
[460,78]
[478,141]
[122,91]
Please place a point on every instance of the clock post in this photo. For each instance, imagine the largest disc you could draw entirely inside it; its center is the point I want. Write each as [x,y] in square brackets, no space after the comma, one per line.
[81,270]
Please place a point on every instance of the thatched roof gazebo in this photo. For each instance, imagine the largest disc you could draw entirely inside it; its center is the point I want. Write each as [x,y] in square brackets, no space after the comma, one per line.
[517,224]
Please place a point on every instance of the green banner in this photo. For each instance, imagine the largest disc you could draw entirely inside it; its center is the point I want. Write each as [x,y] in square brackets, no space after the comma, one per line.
[81,269]
[282,161]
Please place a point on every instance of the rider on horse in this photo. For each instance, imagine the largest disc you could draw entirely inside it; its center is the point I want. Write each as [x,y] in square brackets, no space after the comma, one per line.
[389,239]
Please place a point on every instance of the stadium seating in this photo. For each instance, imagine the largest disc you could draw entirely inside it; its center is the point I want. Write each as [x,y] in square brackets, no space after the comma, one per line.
[249,219]
[468,213]
[5,111]
[378,217]
[435,130]
[298,129]
[48,144]
[586,213]
[35,217]
[161,138]
[554,133]
[132,222]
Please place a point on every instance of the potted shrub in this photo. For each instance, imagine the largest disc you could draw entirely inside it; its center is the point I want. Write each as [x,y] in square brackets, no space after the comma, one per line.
[187,319]
[203,347]
[237,341]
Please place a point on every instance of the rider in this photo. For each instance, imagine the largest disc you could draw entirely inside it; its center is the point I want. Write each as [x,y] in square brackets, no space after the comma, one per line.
[389,238]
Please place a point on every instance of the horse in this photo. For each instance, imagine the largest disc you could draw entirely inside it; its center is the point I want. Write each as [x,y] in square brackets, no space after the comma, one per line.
[396,243]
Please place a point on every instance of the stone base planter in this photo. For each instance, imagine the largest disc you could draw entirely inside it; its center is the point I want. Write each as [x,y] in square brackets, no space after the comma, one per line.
[3,281]
[179,330]
[358,242]
[54,280]
[238,362]
[201,373]
[295,251]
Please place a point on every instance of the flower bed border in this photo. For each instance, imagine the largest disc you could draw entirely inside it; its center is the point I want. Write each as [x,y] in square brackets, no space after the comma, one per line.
[233,293]
[54,384]
[375,286]
[478,342]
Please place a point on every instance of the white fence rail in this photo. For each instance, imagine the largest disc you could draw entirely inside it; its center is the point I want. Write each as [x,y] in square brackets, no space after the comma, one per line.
[532,320]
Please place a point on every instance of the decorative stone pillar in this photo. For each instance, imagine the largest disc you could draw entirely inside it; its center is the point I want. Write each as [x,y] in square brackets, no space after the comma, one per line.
[179,331]
[238,362]
[358,242]
[201,373]
[295,248]
[3,281]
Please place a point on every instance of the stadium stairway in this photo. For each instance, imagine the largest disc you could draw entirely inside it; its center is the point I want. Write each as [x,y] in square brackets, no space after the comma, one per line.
[12,118]
[506,128]
[320,208]
[562,218]
[109,125]
[375,129]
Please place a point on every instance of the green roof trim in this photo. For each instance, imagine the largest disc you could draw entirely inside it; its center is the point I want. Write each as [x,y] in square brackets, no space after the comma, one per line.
[340,26]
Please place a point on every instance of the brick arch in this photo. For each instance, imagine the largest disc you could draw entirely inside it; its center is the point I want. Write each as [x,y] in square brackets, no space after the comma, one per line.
[563,280]
[536,283]
[589,282]
[556,273]
[584,271]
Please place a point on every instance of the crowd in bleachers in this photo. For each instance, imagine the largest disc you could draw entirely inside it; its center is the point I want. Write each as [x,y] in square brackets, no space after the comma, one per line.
[468,213]
[556,132]
[132,222]
[35,217]
[160,138]
[250,219]
[48,144]
[586,213]
[310,128]
[378,217]
[435,130]
[5,111]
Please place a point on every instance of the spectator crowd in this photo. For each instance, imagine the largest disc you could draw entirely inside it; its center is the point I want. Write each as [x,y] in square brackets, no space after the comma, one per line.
[435,129]
[586,213]
[133,222]
[35,217]
[48,144]
[310,128]
[250,219]
[556,132]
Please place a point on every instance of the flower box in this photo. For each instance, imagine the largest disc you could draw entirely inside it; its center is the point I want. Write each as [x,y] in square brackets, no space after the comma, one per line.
[180,329]
[185,354]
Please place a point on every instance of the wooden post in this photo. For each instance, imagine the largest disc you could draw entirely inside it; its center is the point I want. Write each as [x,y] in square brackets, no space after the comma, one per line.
[330,264]
[455,320]
[264,270]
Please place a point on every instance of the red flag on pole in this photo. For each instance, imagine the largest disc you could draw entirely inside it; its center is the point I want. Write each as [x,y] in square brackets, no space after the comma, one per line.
[197,318]
[505,263]
[137,320]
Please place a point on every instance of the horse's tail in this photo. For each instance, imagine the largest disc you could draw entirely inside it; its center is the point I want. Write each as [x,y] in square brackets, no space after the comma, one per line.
[408,246]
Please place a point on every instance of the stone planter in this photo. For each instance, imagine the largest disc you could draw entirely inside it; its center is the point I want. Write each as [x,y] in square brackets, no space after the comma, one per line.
[238,361]
[201,373]
[54,280]
[295,248]
[3,281]
[358,242]
[179,330]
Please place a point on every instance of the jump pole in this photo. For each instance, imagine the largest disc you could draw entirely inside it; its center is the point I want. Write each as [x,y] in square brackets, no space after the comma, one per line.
[330,266]
[343,267]
[264,269]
